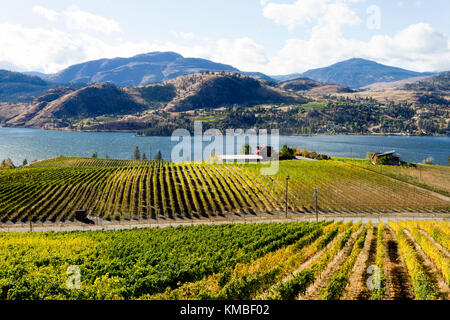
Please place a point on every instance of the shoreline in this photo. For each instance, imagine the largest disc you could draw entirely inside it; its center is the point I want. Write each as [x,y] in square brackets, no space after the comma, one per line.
[285,135]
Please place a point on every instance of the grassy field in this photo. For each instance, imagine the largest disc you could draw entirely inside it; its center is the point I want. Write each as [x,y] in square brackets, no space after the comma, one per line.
[410,260]
[120,189]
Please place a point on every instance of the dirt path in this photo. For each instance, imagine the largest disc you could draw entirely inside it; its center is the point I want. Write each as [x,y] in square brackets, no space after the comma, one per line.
[430,268]
[437,244]
[357,289]
[398,282]
[103,225]
[305,264]
[313,292]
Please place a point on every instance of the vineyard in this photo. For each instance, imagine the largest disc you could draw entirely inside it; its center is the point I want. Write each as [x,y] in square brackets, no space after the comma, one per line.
[280,261]
[432,177]
[109,189]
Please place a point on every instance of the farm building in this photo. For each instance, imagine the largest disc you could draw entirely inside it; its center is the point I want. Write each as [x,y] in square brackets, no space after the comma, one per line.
[239,158]
[264,151]
[389,158]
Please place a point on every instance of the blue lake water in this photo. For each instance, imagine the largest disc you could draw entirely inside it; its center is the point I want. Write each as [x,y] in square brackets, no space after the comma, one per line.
[19,144]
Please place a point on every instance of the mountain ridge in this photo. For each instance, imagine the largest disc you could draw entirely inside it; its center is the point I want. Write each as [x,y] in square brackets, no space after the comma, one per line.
[63,105]
[142,69]
[19,87]
[357,72]
[155,67]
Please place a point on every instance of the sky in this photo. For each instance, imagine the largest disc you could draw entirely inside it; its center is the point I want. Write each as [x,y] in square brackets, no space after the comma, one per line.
[270,36]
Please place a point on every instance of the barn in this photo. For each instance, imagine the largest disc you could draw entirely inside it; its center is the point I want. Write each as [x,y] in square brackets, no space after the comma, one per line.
[389,158]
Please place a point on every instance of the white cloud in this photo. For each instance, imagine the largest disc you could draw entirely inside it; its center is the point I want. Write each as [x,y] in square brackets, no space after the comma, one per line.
[49,14]
[420,38]
[50,50]
[298,13]
[77,19]
[243,53]
[417,47]
[184,35]
[38,49]
[335,16]
[82,20]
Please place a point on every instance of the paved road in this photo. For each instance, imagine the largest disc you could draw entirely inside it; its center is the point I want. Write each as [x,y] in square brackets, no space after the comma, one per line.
[66,227]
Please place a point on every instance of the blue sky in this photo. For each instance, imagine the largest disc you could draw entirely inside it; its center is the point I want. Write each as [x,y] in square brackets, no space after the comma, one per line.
[271,36]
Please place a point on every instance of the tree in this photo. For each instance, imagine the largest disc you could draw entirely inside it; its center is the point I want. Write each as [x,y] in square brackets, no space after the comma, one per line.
[246,149]
[383,161]
[95,155]
[144,157]
[287,153]
[158,156]
[137,154]
[7,164]
[24,163]
[304,153]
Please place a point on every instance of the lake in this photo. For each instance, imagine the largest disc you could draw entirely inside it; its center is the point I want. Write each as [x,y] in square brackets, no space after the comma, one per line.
[31,144]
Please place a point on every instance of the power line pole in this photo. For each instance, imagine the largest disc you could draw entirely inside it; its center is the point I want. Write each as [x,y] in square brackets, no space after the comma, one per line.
[287,185]
[316,195]
[29,220]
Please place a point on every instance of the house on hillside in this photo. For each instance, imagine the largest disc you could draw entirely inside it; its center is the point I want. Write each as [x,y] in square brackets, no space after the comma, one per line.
[387,158]
[264,151]
[239,158]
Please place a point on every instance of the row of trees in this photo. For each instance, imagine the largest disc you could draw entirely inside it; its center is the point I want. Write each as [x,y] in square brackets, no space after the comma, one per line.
[137,155]
[8,164]
[287,153]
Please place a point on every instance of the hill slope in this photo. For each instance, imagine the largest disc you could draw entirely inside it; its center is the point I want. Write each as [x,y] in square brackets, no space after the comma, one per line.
[219,89]
[418,90]
[19,87]
[357,73]
[58,108]
[379,86]
[61,104]
[142,69]
[312,87]
[439,84]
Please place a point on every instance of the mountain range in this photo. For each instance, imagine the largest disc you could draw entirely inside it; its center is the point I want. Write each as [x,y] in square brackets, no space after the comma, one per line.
[139,70]
[157,67]
[15,86]
[149,89]
[357,73]
[197,91]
